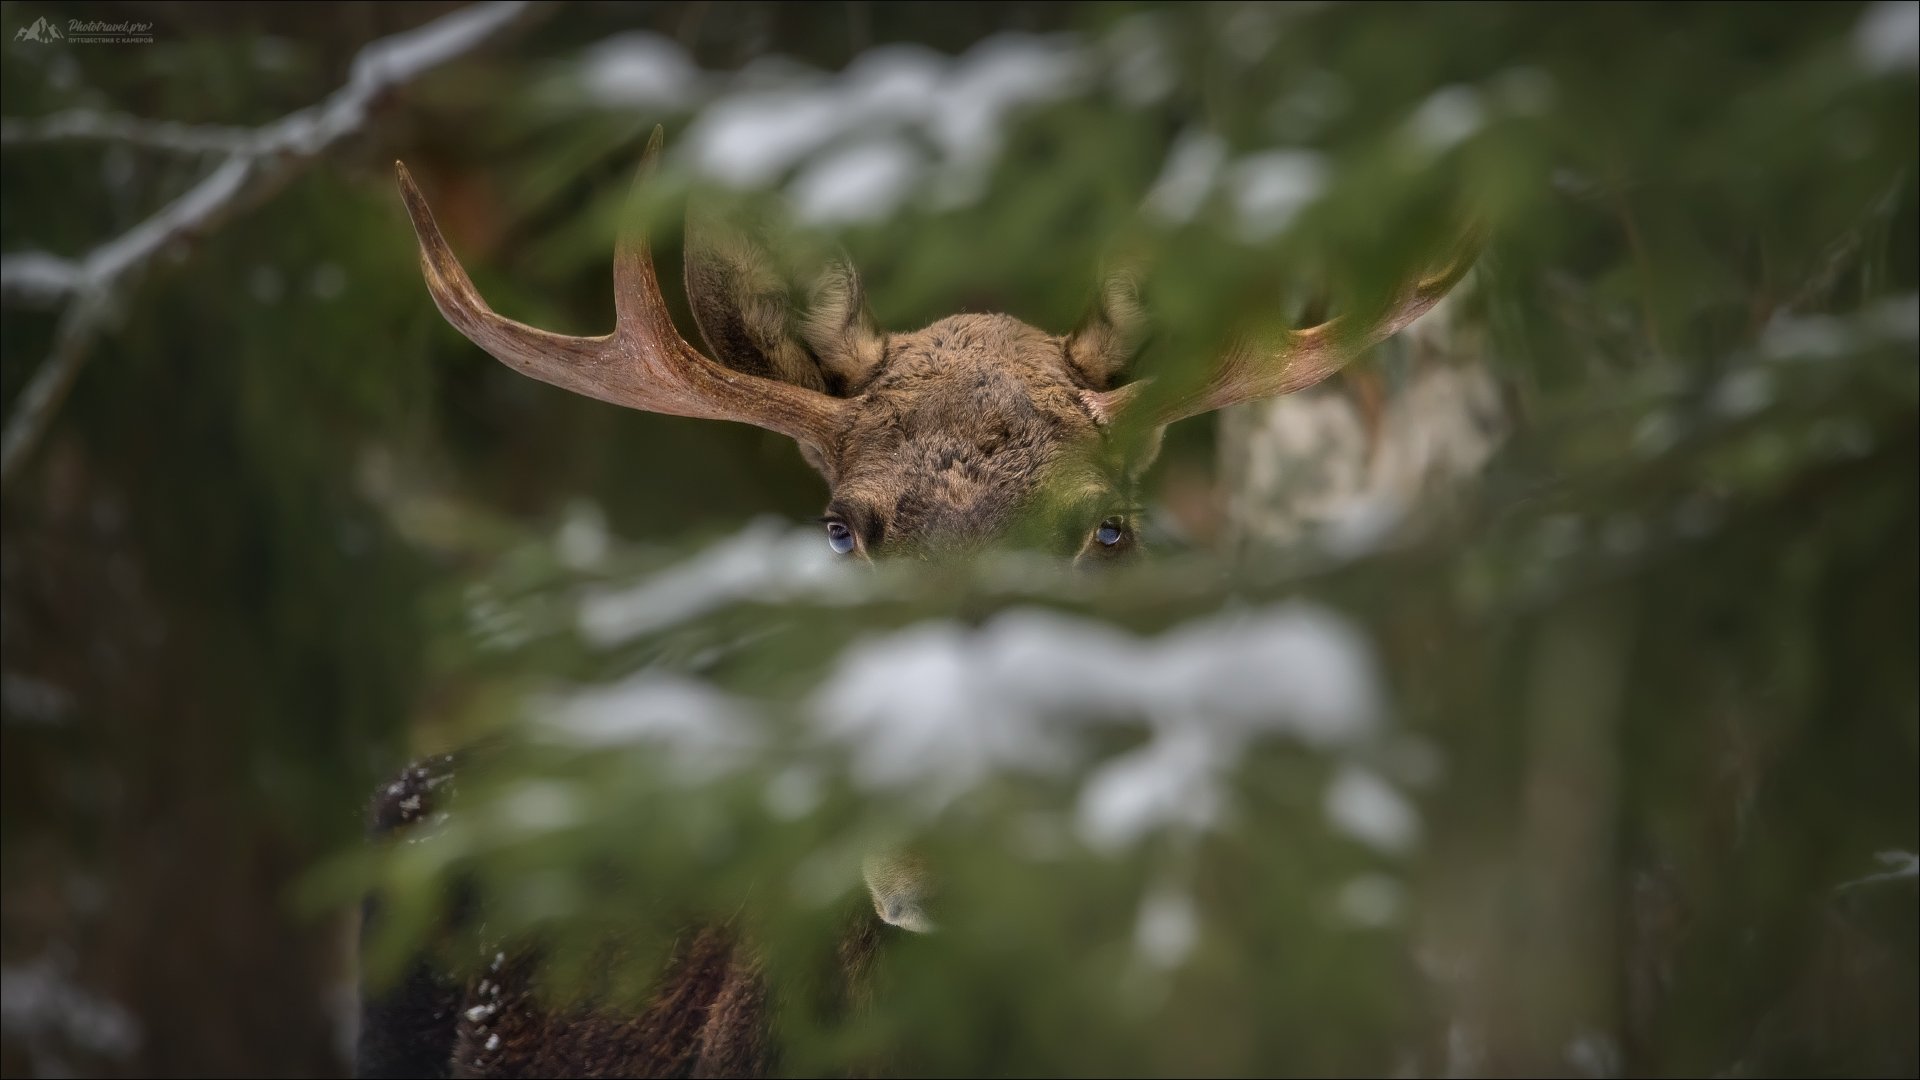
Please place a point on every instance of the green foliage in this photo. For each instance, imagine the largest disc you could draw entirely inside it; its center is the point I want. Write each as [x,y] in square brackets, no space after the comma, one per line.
[1665,652]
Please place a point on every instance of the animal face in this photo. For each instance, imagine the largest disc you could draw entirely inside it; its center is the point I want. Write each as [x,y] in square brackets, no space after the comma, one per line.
[974,430]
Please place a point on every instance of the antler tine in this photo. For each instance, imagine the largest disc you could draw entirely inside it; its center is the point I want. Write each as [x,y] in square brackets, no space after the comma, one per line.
[1305,357]
[644,364]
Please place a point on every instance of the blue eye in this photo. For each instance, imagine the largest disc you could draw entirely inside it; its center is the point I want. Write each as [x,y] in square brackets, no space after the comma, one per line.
[1111,531]
[839,537]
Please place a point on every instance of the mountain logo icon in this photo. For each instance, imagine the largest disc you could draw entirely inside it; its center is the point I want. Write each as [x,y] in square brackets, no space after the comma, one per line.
[41,31]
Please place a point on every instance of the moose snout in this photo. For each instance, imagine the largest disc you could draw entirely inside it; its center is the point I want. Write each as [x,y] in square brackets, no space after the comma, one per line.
[898,884]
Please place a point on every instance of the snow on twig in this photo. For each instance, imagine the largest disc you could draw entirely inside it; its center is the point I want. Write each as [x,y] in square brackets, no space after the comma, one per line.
[257,164]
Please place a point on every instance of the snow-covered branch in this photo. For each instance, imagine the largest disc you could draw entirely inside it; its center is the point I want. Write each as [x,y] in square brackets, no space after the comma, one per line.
[257,164]
[89,125]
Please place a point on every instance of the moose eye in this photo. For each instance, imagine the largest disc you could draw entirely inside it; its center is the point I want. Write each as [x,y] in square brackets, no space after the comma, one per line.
[1111,532]
[839,537]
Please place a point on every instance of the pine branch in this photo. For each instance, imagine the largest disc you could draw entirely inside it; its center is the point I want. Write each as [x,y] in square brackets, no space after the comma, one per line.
[257,164]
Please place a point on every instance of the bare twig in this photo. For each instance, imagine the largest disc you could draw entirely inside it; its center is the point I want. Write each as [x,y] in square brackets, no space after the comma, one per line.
[257,164]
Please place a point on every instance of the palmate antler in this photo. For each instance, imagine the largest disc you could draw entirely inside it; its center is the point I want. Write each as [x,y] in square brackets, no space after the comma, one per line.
[644,364]
[1249,372]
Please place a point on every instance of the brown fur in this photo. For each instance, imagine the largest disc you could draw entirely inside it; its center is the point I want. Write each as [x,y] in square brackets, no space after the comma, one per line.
[955,431]
[707,1017]
[740,304]
[708,1013]
[950,432]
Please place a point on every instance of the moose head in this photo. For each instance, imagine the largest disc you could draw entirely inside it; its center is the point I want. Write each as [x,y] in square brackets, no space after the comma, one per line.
[931,441]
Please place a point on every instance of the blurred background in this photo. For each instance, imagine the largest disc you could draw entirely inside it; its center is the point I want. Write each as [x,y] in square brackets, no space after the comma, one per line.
[1537,698]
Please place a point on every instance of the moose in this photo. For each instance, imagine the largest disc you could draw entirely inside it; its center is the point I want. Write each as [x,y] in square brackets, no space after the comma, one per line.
[932,444]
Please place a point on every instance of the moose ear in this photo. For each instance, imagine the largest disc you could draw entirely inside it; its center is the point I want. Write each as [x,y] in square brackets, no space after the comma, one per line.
[1106,339]
[740,302]
[841,330]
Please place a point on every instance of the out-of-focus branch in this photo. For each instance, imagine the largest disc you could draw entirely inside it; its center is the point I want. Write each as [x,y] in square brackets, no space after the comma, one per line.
[258,163]
[33,412]
[88,125]
[38,279]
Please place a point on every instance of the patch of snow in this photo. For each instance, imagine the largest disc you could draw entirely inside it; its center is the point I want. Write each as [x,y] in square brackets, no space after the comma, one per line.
[1900,866]
[748,140]
[641,70]
[1448,117]
[997,76]
[1818,337]
[1362,525]
[913,712]
[583,539]
[1270,189]
[1167,927]
[702,730]
[1887,37]
[41,1000]
[1892,321]
[861,182]
[1742,393]
[1192,169]
[772,120]
[1169,782]
[934,708]
[1366,807]
[1294,668]
[768,559]
[1594,1054]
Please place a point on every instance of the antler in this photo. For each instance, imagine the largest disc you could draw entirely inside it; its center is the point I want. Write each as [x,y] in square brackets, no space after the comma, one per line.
[1305,357]
[644,364]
